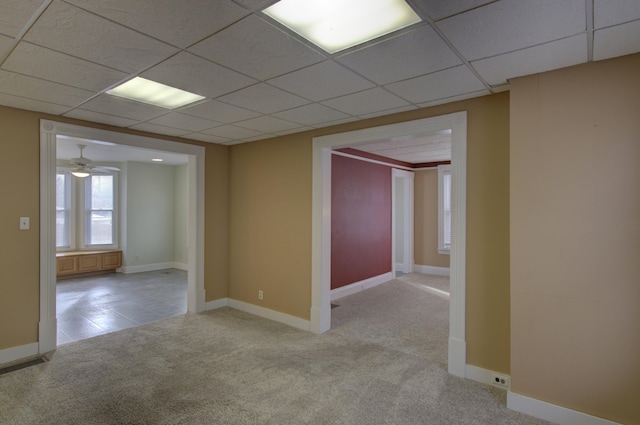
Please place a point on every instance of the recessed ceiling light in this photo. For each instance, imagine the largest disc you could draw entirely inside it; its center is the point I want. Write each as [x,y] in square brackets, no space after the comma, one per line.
[157,159]
[335,25]
[157,94]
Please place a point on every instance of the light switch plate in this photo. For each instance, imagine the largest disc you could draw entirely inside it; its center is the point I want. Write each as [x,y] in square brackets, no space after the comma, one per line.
[24,223]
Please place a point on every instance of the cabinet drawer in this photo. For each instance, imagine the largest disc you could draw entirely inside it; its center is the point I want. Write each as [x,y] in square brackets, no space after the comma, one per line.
[112,260]
[66,265]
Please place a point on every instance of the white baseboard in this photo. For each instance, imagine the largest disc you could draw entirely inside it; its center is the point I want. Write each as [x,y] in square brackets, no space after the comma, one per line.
[180,266]
[263,312]
[487,376]
[266,313]
[21,352]
[440,271]
[215,304]
[552,412]
[359,286]
[147,267]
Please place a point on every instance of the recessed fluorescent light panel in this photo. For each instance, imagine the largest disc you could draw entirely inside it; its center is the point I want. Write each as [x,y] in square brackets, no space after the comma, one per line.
[335,25]
[152,93]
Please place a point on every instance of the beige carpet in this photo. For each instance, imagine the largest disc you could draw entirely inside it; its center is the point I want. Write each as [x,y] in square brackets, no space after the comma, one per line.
[384,362]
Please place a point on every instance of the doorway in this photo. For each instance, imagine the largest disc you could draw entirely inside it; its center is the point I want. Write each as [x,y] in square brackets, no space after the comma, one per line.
[402,219]
[321,221]
[49,131]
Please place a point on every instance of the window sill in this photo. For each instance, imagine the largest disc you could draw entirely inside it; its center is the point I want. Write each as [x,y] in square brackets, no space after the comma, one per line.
[444,251]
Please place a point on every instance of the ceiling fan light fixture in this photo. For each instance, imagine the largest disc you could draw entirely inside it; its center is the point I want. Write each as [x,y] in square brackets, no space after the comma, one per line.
[80,172]
[335,25]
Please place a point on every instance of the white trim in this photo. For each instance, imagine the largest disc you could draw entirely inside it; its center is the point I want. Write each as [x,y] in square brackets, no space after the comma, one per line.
[21,352]
[486,376]
[266,313]
[180,266]
[443,170]
[48,131]
[552,412]
[147,267]
[373,161]
[215,304]
[438,271]
[352,288]
[321,220]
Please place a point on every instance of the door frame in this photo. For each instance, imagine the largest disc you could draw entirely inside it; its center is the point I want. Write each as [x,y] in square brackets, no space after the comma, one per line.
[321,221]
[47,326]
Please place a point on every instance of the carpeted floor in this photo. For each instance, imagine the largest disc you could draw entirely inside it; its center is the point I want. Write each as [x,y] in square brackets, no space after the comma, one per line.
[384,362]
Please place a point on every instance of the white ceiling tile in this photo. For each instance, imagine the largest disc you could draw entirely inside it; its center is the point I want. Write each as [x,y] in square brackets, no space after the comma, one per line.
[184,122]
[82,114]
[232,132]
[255,4]
[267,124]
[544,57]
[37,89]
[366,102]
[15,14]
[206,138]
[47,64]
[329,80]
[189,72]
[292,131]
[31,104]
[451,99]
[178,24]
[441,84]
[389,111]
[257,49]
[158,129]
[616,41]
[312,114]
[264,98]
[417,52]
[510,25]
[438,9]
[219,111]
[608,12]
[67,29]
[112,105]
[256,138]
[5,44]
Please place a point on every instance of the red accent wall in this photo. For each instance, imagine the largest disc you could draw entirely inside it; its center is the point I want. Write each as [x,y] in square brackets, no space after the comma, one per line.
[360,220]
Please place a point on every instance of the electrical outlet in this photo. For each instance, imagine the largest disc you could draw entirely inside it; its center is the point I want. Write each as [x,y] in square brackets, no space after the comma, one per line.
[24,223]
[501,381]
[260,294]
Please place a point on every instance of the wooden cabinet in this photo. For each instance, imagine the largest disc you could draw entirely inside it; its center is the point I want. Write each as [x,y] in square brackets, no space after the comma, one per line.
[85,263]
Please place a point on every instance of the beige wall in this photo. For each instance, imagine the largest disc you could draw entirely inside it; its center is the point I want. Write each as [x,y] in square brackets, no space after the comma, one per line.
[575,238]
[425,219]
[270,222]
[20,249]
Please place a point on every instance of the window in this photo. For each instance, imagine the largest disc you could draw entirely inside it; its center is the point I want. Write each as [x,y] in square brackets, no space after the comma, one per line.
[99,226]
[96,206]
[444,209]
[63,210]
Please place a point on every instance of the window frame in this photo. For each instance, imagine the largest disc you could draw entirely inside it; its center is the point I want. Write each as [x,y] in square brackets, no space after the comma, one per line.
[70,202]
[444,172]
[85,206]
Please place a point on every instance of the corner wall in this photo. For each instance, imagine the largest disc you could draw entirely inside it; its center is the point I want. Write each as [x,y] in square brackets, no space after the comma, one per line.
[575,238]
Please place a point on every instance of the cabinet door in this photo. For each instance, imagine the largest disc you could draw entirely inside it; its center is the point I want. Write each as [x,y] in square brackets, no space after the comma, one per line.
[111,260]
[66,265]
[89,263]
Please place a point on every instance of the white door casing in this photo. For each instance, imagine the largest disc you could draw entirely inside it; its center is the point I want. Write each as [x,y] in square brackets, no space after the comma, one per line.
[321,221]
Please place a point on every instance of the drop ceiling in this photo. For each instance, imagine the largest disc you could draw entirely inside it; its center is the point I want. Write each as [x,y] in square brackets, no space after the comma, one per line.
[260,80]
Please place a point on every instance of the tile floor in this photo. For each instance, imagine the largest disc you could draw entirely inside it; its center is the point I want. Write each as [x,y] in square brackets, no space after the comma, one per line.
[96,305]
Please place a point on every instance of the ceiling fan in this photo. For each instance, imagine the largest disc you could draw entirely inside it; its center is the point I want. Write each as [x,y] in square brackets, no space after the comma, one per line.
[82,166]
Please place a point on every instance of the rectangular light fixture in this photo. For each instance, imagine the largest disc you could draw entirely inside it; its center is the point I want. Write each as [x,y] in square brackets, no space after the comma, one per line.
[152,93]
[335,25]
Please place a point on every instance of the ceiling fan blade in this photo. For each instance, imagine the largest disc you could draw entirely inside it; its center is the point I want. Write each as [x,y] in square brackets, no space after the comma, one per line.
[103,168]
